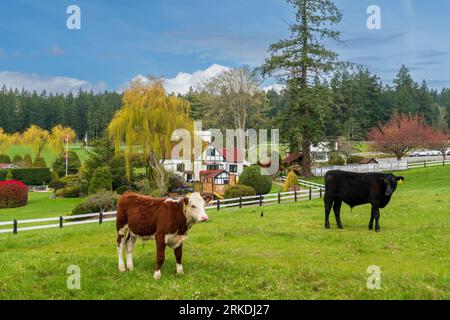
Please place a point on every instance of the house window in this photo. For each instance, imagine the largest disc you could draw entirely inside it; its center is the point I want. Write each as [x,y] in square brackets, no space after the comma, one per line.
[233,168]
[212,167]
[213,152]
[180,167]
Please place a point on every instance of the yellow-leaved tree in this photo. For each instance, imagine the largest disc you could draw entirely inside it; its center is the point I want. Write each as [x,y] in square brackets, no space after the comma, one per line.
[145,124]
[37,138]
[291,182]
[5,141]
[58,137]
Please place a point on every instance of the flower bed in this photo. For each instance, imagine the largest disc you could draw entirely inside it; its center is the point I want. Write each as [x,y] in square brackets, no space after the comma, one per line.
[13,194]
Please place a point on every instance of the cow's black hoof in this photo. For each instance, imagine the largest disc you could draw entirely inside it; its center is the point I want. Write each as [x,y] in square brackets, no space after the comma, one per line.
[341,227]
[370,227]
[327,226]
[377,230]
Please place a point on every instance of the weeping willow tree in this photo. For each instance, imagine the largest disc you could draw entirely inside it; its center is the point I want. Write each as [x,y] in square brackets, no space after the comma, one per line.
[5,141]
[37,138]
[145,124]
[58,138]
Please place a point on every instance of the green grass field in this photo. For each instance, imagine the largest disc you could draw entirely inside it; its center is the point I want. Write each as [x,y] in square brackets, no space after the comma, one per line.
[40,206]
[48,154]
[286,254]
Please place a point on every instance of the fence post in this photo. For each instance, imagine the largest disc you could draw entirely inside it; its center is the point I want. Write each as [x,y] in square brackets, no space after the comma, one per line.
[100,217]
[310,193]
[218,204]
[240,201]
[425,163]
[61,222]
[15,227]
[295,194]
[260,200]
[321,193]
[279,198]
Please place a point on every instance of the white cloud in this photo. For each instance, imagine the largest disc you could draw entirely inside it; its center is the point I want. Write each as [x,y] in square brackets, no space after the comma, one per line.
[49,83]
[277,87]
[183,81]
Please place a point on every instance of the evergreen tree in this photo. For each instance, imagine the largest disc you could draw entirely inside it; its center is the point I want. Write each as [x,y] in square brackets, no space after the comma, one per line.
[298,60]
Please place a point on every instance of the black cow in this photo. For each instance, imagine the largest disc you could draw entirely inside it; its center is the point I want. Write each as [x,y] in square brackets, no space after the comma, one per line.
[356,189]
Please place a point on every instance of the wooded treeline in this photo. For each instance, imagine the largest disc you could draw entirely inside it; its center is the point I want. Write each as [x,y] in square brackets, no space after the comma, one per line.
[85,112]
[349,104]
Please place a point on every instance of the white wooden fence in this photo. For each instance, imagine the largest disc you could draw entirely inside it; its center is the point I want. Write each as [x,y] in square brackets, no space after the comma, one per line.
[371,167]
[15,226]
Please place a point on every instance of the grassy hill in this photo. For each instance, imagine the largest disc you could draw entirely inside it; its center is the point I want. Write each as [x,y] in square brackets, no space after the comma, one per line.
[286,254]
[48,154]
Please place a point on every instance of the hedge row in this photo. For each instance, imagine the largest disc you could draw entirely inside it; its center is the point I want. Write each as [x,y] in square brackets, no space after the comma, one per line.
[31,176]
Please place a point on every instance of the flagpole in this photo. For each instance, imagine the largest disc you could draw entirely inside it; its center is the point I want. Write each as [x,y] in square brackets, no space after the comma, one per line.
[67,155]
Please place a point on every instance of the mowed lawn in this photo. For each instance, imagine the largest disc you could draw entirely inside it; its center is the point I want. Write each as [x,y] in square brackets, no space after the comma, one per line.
[40,206]
[286,254]
[48,154]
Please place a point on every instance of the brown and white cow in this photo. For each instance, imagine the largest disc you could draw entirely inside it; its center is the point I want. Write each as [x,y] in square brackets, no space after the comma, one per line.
[162,219]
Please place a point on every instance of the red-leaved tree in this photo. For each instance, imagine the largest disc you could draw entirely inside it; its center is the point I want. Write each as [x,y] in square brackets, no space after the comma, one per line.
[437,140]
[400,135]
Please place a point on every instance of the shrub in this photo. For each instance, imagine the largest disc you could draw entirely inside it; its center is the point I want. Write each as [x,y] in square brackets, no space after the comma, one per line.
[17,160]
[68,192]
[354,159]
[336,160]
[13,194]
[5,158]
[101,201]
[9,176]
[27,161]
[122,189]
[101,180]
[74,165]
[239,190]
[30,176]
[39,162]
[143,186]
[175,182]
[55,182]
[251,176]
[291,182]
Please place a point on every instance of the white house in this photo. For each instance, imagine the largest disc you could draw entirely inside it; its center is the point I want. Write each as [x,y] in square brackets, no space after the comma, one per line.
[212,158]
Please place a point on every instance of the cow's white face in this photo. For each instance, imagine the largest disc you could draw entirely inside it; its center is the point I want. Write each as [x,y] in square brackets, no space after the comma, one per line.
[195,208]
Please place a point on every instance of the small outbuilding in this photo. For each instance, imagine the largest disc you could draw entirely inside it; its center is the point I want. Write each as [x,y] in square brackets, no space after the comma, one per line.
[368,161]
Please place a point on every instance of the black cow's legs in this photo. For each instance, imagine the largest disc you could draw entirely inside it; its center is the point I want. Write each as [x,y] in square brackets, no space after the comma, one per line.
[372,217]
[328,205]
[337,212]
[376,216]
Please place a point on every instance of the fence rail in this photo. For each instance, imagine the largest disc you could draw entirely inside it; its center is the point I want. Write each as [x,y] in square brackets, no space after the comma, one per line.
[16,226]
[382,166]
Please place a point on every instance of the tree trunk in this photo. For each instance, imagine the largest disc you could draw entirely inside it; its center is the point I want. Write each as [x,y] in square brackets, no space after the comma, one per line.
[306,162]
[399,157]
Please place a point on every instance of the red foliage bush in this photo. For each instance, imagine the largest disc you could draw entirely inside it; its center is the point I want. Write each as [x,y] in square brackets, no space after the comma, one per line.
[13,194]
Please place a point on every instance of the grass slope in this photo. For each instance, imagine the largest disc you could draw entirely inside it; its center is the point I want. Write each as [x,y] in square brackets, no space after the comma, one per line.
[48,154]
[286,254]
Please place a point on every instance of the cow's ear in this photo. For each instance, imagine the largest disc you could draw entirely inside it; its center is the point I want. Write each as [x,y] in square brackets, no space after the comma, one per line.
[207,198]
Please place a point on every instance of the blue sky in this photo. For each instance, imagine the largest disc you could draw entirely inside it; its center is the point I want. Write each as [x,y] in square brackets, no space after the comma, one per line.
[120,39]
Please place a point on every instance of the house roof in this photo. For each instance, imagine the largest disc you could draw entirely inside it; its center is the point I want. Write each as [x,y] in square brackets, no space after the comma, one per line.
[293,157]
[368,160]
[230,155]
[7,166]
[211,173]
